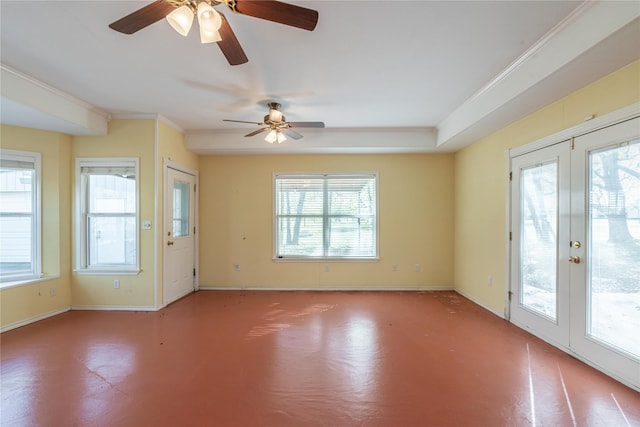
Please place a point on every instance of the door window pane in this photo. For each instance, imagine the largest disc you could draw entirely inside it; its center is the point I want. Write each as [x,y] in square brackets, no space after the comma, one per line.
[539,212]
[180,209]
[614,252]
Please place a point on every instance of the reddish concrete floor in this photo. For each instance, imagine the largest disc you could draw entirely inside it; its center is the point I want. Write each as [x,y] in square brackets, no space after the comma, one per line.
[218,358]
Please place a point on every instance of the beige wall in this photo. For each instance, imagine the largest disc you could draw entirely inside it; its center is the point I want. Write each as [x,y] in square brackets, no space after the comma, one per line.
[126,138]
[29,302]
[480,181]
[415,223]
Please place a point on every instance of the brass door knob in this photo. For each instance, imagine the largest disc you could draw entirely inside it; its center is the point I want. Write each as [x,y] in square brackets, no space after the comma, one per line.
[574,259]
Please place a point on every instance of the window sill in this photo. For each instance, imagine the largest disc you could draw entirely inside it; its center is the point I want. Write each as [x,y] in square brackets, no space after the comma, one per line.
[24,282]
[107,272]
[312,259]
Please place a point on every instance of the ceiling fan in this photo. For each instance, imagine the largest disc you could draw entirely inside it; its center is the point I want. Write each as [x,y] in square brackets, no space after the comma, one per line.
[278,126]
[214,27]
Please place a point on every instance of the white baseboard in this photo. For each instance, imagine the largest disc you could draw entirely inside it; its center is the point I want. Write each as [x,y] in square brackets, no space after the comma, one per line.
[115,308]
[332,289]
[475,301]
[34,319]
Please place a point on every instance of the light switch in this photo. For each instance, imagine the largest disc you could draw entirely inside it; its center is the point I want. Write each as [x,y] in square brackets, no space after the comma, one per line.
[146,225]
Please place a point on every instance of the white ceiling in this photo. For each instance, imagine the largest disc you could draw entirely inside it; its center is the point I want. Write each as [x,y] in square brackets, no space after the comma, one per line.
[384,76]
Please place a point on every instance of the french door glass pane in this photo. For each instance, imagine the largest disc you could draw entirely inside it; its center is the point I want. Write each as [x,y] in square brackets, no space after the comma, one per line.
[614,247]
[180,209]
[539,212]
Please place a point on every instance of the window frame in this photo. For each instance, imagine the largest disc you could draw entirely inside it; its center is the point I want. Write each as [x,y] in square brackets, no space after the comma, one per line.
[36,218]
[82,244]
[326,216]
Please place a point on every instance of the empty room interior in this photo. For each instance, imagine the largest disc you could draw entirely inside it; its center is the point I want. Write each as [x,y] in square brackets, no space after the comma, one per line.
[360,213]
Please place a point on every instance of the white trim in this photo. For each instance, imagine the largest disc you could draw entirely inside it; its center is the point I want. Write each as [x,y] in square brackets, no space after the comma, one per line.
[27,282]
[33,319]
[588,126]
[507,231]
[318,175]
[81,262]
[36,226]
[114,308]
[331,288]
[156,215]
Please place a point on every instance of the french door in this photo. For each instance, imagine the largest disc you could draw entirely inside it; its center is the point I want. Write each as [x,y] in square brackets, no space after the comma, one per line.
[575,252]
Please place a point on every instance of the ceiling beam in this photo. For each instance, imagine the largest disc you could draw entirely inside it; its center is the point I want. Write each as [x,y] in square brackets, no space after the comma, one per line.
[588,25]
[24,96]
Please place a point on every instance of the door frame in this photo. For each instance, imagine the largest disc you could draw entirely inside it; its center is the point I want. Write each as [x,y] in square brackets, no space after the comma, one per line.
[167,164]
[588,126]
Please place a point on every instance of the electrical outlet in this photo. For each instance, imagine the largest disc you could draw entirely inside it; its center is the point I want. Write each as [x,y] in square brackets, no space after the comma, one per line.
[394,267]
[489,281]
[236,267]
[116,284]
[326,268]
[52,292]
[417,268]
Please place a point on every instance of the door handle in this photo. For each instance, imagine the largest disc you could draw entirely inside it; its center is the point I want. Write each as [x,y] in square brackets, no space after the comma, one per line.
[574,259]
[169,243]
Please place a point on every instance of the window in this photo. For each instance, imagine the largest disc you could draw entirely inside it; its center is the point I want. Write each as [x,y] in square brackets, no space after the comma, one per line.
[19,215]
[108,212]
[323,216]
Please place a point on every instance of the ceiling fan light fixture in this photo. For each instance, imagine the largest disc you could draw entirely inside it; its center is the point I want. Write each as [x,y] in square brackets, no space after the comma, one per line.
[281,137]
[272,136]
[210,22]
[275,115]
[181,19]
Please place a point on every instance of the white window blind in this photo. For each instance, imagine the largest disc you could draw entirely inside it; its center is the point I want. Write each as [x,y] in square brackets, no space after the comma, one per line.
[326,216]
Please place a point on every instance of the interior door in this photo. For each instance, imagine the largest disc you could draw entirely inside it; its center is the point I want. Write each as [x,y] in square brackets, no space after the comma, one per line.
[179,235]
[540,206]
[605,311]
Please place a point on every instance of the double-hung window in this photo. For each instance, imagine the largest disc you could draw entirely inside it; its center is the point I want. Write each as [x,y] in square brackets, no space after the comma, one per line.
[19,215]
[325,216]
[108,215]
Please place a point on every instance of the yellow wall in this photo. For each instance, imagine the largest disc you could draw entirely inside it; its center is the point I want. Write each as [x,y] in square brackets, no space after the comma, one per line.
[171,147]
[22,303]
[480,181]
[415,223]
[126,138]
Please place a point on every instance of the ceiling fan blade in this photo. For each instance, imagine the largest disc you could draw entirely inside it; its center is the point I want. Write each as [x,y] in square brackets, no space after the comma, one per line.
[242,121]
[282,13]
[306,124]
[293,134]
[255,132]
[229,45]
[143,17]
